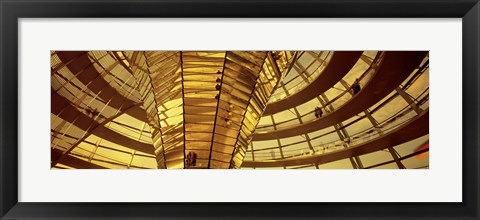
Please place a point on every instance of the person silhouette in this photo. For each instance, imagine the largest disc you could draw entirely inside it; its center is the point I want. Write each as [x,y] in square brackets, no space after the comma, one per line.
[194,159]
[318,112]
[189,159]
[356,86]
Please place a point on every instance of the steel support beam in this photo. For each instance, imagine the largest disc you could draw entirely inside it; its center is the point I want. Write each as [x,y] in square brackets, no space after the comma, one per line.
[409,100]
[355,161]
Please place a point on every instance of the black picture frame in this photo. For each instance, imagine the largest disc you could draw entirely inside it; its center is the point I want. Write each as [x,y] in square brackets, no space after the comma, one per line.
[12,10]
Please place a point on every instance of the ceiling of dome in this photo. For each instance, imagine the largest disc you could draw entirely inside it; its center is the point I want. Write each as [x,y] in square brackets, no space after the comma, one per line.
[239,109]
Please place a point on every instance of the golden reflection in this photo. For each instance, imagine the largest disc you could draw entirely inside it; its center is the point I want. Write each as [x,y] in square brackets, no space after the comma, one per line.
[203,109]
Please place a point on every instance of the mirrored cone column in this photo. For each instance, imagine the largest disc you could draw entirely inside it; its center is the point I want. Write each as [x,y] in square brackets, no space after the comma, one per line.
[219,129]
[208,103]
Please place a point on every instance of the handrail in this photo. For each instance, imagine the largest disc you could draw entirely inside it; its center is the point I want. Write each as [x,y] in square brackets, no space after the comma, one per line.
[402,112]
[394,70]
[401,158]
[339,65]
[356,120]
[417,127]
[377,61]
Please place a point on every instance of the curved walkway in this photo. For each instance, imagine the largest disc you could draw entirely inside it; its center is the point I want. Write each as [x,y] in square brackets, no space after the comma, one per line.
[337,68]
[395,68]
[63,109]
[74,162]
[85,72]
[418,126]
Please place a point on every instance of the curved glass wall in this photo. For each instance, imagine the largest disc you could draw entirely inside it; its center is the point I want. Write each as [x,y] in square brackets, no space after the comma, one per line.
[306,67]
[398,108]
[338,95]
[152,109]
